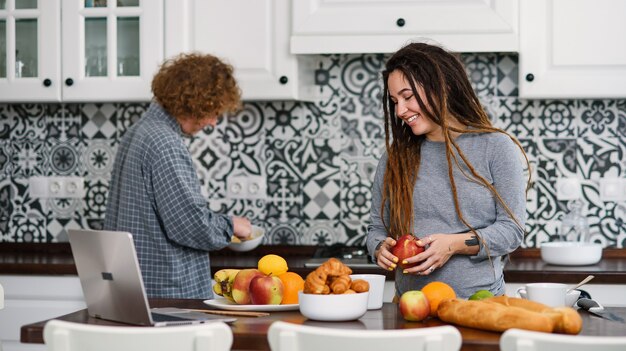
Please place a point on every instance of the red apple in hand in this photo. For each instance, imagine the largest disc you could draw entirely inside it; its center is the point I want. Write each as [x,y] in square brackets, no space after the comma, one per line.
[414,306]
[266,290]
[406,246]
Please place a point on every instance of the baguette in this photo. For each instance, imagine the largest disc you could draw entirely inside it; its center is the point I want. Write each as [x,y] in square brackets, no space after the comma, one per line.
[565,319]
[492,316]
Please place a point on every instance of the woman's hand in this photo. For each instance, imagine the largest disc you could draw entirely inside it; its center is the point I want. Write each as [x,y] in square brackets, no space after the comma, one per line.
[241,227]
[440,247]
[384,257]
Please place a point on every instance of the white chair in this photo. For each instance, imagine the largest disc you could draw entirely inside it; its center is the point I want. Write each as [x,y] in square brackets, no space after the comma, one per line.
[525,340]
[1,306]
[65,336]
[284,336]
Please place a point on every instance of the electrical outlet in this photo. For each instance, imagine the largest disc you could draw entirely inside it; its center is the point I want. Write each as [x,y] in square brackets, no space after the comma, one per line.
[74,187]
[568,189]
[246,187]
[57,187]
[257,187]
[236,187]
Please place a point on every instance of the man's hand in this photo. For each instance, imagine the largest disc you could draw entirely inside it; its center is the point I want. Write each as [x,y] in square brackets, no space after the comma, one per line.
[242,228]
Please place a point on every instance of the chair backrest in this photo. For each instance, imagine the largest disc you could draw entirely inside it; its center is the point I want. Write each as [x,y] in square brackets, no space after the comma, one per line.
[284,336]
[66,336]
[525,340]
[1,306]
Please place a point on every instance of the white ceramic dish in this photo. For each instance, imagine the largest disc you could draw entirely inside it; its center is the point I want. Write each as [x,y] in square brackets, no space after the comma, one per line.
[223,303]
[333,308]
[377,288]
[571,253]
[257,238]
[570,298]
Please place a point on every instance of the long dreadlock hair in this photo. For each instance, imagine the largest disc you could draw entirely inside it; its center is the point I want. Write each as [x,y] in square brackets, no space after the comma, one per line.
[448,94]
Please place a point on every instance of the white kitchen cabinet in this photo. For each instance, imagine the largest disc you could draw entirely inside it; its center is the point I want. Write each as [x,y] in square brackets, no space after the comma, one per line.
[30,299]
[252,35]
[79,50]
[572,49]
[381,26]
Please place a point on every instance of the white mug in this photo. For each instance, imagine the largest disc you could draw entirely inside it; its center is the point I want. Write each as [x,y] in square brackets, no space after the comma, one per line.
[551,294]
[377,287]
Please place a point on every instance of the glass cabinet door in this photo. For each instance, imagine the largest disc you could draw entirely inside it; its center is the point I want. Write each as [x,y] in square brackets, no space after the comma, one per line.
[29,50]
[111,48]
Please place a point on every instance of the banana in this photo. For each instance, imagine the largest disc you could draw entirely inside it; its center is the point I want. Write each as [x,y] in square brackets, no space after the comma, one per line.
[224,279]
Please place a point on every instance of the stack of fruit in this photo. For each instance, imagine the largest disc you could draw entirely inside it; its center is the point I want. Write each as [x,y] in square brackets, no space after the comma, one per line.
[417,305]
[268,284]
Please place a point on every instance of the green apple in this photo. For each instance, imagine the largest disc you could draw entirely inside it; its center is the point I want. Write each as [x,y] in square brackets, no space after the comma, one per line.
[481,294]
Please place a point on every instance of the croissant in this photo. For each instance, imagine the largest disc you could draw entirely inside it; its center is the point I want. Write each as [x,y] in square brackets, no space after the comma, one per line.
[315,282]
[340,284]
[335,267]
[360,285]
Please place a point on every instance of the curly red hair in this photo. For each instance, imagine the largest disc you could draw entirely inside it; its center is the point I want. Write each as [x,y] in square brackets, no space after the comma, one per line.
[198,86]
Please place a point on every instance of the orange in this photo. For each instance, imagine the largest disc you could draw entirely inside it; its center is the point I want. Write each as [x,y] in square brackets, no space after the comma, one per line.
[435,293]
[292,283]
[272,265]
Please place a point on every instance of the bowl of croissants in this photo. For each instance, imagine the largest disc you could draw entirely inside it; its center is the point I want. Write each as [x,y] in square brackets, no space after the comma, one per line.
[331,295]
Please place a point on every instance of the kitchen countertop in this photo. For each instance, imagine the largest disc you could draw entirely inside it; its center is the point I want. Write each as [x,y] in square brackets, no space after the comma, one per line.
[250,333]
[525,266]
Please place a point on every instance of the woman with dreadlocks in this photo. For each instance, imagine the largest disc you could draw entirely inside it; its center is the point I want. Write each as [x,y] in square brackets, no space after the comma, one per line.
[448,177]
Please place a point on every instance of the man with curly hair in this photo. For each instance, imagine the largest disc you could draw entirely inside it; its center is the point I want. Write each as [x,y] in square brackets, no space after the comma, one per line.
[155,192]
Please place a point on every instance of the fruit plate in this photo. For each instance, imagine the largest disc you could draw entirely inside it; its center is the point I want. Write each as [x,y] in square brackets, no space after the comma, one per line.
[223,303]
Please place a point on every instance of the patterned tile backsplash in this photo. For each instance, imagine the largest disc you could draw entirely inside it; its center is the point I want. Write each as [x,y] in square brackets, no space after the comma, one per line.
[316,160]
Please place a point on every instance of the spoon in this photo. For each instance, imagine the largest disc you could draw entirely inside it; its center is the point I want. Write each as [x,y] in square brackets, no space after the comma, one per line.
[583,282]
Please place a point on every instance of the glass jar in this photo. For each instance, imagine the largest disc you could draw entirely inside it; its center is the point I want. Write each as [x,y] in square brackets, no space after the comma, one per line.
[574,226]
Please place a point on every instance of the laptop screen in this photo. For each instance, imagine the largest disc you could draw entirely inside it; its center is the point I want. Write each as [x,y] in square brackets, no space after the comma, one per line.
[109,273]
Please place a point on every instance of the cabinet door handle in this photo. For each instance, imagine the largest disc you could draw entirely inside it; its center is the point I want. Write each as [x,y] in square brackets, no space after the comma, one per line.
[283,80]
[530,77]
[47,82]
[400,22]
[69,82]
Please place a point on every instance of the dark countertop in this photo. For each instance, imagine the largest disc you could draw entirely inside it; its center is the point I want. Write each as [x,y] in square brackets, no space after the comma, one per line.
[250,333]
[525,266]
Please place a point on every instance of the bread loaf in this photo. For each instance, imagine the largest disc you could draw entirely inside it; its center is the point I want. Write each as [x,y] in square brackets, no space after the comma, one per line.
[492,316]
[565,320]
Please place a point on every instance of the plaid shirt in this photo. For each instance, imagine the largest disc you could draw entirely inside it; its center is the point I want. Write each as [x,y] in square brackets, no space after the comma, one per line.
[155,195]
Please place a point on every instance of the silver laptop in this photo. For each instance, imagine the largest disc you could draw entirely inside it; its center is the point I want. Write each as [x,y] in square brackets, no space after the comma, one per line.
[109,273]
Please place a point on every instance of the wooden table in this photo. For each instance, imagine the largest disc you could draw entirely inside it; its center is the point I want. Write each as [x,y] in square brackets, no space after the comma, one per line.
[250,333]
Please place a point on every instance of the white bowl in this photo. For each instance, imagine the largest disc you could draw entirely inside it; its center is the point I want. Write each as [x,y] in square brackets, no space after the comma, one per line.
[333,308]
[570,298]
[256,239]
[571,253]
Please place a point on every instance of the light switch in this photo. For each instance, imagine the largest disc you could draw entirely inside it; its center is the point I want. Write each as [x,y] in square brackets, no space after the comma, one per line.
[612,189]
[38,187]
[568,189]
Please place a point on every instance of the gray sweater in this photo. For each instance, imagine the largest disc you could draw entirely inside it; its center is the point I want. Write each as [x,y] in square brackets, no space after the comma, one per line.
[497,159]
